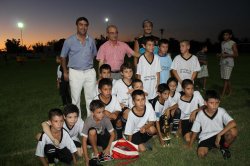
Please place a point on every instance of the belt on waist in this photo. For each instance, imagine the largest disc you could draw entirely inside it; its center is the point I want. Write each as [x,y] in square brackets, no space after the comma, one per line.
[81,69]
[115,71]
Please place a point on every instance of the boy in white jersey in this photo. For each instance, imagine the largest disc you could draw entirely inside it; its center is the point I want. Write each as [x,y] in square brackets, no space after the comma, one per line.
[140,124]
[162,106]
[73,124]
[64,151]
[113,109]
[174,96]
[185,65]
[149,68]
[189,103]
[216,127]
[229,51]
[104,72]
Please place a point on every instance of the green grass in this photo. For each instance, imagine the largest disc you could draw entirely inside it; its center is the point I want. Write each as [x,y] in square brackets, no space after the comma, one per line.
[28,91]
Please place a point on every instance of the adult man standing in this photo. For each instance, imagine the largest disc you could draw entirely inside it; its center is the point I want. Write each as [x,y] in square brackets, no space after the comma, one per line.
[80,49]
[112,52]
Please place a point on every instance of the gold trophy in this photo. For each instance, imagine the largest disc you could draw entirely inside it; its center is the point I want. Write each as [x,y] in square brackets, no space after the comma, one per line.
[166,131]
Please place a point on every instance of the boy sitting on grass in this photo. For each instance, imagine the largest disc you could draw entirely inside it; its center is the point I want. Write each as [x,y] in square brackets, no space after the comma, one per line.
[64,151]
[140,124]
[97,131]
[72,124]
[216,127]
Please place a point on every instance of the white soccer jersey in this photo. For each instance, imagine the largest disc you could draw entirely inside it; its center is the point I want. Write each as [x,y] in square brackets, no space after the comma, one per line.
[148,72]
[160,108]
[176,97]
[185,67]
[65,141]
[120,90]
[210,126]
[113,104]
[76,130]
[135,122]
[187,107]
[227,48]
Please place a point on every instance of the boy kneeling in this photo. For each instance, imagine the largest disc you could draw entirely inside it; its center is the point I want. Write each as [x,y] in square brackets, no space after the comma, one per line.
[97,131]
[211,122]
[140,124]
[66,148]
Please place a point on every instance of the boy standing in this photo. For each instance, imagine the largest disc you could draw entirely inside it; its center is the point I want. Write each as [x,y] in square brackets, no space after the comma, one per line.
[149,68]
[140,124]
[65,149]
[185,65]
[229,51]
[97,131]
[216,127]
[165,60]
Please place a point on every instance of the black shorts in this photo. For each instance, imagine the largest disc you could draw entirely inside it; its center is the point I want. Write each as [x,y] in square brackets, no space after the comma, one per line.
[77,144]
[102,139]
[139,138]
[186,127]
[210,142]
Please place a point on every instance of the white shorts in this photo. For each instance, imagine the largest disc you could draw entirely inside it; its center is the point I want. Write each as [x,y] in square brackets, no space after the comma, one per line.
[225,72]
[203,72]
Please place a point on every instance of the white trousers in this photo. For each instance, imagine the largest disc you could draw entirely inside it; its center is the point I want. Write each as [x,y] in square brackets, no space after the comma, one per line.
[79,79]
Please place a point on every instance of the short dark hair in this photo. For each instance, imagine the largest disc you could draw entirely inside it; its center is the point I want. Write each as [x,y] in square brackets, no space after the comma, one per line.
[105,67]
[172,79]
[211,94]
[163,41]
[147,39]
[137,93]
[104,81]
[186,82]
[54,112]
[162,88]
[70,108]
[82,19]
[136,81]
[96,104]
[147,21]
[125,66]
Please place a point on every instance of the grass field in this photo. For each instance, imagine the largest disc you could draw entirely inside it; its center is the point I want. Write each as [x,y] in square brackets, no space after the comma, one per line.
[28,91]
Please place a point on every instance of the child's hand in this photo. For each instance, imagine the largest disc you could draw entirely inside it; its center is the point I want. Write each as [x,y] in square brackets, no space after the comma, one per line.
[107,151]
[217,141]
[122,105]
[113,116]
[56,142]
[192,116]
[162,142]
[167,113]
[142,130]
[130,91]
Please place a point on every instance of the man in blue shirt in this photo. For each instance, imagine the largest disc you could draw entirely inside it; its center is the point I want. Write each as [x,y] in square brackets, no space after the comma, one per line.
[80,49]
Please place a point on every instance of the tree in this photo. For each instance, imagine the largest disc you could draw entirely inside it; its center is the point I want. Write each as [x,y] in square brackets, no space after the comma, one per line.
[12,46]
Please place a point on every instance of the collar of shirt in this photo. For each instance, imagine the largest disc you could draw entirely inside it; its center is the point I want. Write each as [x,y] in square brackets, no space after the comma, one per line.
[112,44]
[86,38]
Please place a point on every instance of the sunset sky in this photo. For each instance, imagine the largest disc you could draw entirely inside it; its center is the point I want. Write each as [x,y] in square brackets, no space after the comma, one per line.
[47,20]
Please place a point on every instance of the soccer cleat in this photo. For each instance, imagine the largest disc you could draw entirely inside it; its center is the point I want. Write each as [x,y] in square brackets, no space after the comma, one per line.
[104,158]
[225,153]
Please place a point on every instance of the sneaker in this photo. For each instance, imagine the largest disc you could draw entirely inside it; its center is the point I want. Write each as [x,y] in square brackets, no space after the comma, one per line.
[94,162]
[225,153]
[104,158]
